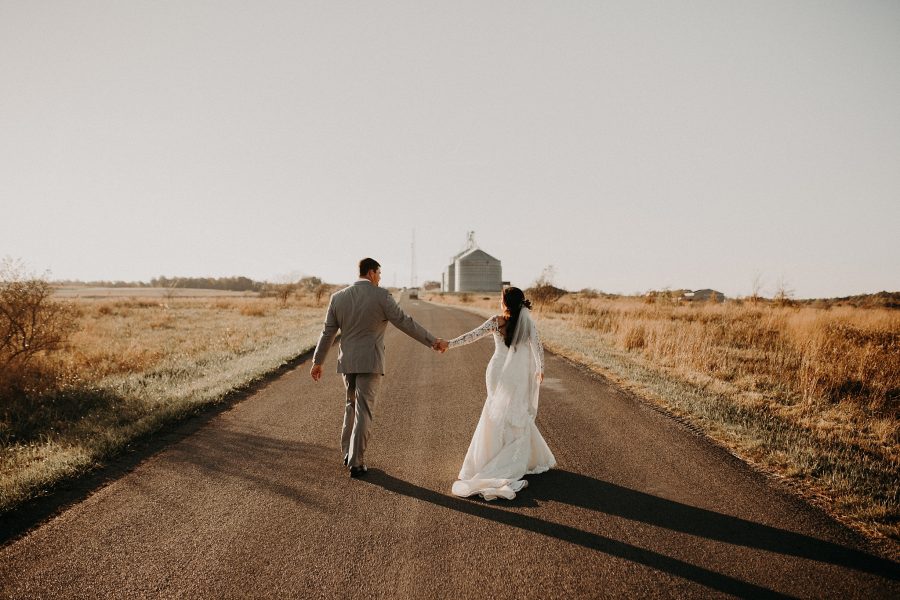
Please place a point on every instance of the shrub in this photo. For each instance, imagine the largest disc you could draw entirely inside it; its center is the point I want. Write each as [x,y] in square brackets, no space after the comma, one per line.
[31,325]
[253,310]
[321,290]
[309,284]
[545,294]
[284,292]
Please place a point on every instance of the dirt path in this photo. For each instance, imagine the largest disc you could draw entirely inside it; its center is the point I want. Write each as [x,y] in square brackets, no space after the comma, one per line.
[255,503]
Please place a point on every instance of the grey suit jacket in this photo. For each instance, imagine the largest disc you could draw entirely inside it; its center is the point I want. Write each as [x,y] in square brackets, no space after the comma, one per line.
[362,312]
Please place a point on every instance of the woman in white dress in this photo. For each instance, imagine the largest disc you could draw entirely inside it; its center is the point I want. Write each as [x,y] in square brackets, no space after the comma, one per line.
[507,445]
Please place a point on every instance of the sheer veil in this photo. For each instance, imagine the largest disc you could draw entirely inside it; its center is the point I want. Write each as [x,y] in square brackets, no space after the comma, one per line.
[519,377]
[524,330]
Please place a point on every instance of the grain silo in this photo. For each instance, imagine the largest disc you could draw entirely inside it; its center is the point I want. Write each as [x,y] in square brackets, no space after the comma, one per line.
[473,270]
[478,271]
[450,277]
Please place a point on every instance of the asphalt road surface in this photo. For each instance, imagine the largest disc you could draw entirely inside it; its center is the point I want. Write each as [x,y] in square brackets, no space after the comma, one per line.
[256,503]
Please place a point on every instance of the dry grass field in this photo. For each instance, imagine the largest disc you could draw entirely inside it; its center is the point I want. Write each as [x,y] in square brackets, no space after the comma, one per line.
[808,394]
[134,364]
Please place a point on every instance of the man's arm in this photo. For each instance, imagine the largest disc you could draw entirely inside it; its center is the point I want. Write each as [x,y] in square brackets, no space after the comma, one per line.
[406,323]
[326,339]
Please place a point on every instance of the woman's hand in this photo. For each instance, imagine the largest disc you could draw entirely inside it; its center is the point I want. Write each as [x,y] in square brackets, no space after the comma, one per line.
[540,378]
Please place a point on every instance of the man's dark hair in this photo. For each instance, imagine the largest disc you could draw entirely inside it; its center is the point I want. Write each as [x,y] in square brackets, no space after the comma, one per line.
[366,265]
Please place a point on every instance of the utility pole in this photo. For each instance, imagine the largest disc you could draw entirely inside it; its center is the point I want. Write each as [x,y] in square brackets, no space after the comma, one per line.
[412,268]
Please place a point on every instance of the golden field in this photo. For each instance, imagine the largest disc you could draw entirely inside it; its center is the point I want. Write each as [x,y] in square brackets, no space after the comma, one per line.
[133,365]
[808,394]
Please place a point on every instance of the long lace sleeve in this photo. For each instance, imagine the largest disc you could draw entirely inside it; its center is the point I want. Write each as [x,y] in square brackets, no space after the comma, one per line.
[537,348]
[485,329]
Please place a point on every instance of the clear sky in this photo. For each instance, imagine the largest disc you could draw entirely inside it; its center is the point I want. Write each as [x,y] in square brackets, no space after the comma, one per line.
[633,145]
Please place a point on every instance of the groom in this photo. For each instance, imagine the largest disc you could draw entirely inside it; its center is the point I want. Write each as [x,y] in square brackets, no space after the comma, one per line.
[362,311]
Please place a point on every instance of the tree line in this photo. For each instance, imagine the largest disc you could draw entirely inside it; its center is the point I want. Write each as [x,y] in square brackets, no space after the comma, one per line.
[231,284]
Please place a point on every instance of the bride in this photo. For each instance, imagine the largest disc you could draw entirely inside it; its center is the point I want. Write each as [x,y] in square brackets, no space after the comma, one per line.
[507,445]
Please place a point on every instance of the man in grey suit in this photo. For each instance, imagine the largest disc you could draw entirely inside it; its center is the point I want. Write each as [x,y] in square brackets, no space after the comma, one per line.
[362,311]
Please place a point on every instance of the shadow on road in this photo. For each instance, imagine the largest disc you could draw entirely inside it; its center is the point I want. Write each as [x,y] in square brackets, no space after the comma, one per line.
[579,490]
[594,494]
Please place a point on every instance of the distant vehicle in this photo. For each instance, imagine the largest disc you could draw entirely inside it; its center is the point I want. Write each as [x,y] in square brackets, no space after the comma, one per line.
[414,294]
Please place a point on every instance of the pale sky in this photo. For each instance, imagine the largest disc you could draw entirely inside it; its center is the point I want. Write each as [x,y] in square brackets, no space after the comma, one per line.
[632,145]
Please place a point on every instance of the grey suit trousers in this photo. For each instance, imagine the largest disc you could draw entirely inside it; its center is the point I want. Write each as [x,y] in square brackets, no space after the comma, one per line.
[362,389]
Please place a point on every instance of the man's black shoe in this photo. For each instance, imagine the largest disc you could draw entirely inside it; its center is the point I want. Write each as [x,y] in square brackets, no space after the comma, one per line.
[358,471]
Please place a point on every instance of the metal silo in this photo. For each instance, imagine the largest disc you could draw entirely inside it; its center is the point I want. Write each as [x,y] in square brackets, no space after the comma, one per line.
[477,271]
[450,278]
[450,275]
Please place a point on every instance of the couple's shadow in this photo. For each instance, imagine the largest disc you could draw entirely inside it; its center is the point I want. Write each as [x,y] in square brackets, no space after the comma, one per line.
[586,492]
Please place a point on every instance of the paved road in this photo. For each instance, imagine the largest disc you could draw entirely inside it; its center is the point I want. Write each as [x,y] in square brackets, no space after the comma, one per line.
[256,504]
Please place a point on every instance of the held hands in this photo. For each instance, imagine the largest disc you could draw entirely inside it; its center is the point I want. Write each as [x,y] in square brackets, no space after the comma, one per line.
[439,345]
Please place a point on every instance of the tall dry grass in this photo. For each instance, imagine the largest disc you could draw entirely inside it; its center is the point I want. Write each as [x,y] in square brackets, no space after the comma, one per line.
[812,394]
[803,355]
[132,366]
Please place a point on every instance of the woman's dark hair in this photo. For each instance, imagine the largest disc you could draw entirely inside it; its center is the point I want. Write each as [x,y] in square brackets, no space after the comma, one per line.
[514,300]
[366,265]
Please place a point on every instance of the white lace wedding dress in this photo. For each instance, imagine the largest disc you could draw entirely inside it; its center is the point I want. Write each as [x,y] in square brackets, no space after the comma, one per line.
[506,445]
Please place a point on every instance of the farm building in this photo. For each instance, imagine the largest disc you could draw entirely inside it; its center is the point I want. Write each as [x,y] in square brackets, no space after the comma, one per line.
[473,270]
[704,296]
[448,280]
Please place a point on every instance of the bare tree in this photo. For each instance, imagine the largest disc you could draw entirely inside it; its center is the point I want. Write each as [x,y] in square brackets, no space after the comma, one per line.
[169,292]
[784,293]
[284,291]
[321,290]
[756,287]
[31,323]
[309,284]
[547,277]
[543,291]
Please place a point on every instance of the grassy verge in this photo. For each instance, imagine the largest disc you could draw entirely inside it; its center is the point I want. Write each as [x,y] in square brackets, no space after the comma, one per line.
[807,394]
[133,366]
